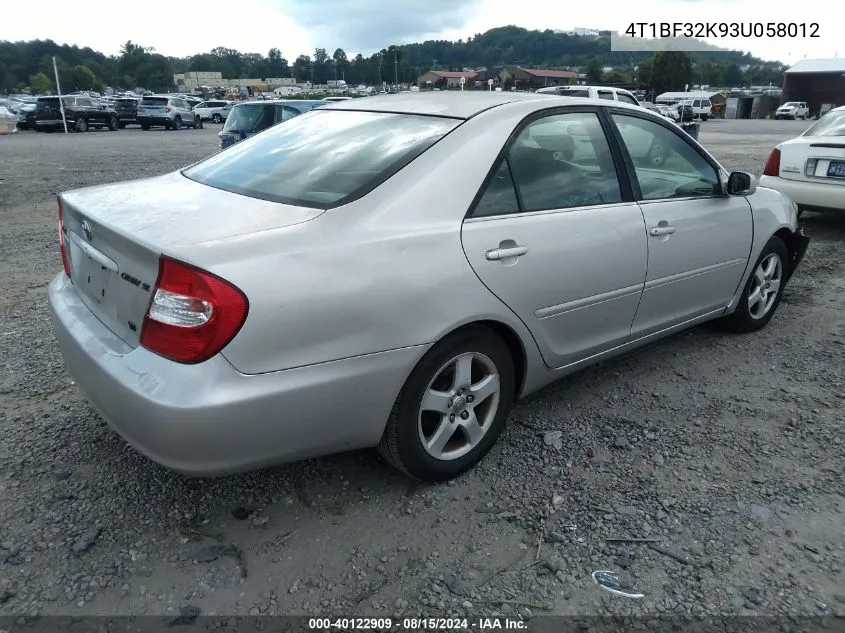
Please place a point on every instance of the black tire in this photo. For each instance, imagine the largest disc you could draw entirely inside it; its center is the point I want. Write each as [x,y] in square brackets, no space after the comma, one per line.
[114,123]
[198,124]
[177,123]
[742,319]
[401,445]
[704,117]
[216,118]
[145,126]
[81,124]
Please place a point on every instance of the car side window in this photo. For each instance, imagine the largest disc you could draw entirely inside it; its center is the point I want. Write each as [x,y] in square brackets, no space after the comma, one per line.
[563,161]
[626,98]
[500,195]
[606,94]
[666,165]
[83,102]
[289,113]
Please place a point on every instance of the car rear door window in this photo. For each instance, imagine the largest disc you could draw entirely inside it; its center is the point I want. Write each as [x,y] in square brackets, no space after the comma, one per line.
[626,98]
[606,94]
[499,196]
[564,161]
[665,164]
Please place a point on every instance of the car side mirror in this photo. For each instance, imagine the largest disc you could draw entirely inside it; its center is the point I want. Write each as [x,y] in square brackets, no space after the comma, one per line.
[741,183]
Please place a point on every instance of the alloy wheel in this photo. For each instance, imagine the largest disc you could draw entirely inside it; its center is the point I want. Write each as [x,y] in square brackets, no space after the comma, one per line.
[764,289]
[458,406]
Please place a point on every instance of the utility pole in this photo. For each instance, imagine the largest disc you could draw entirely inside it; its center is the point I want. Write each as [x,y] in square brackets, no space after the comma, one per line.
[395,67]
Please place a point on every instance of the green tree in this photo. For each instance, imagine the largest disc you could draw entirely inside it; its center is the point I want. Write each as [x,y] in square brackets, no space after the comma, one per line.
[81,78]
[615,77]
[672,72]
[593,71]
[302,68]
[4,75]
[733,76]
[644,71]
[40,83]
[156,73]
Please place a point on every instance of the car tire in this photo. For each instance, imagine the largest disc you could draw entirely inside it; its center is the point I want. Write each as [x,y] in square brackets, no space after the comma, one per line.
[114,123]
[486,368]
[759,302]
[177,123]
[81,124]
[198,123]
[145,126]
[216,118]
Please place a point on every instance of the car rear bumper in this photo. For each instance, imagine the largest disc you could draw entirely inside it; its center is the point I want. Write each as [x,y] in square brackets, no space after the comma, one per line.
[154,120]
[814,194]
[208,419]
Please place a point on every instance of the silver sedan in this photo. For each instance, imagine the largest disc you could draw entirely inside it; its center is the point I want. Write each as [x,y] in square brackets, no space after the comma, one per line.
[397,271]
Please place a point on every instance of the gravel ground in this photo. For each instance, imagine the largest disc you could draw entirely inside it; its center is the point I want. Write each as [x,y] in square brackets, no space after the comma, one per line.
[728,448]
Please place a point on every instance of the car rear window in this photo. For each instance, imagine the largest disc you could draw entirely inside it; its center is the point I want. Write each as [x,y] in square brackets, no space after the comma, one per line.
[125,102]
[831,124]
[321,159]
[574,93]
[154,101]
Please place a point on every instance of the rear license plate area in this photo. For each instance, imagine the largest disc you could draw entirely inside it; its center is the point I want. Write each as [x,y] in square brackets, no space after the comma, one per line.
[836,169]
[89,275]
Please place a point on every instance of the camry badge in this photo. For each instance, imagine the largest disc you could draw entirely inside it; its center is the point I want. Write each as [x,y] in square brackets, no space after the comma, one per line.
[86,230]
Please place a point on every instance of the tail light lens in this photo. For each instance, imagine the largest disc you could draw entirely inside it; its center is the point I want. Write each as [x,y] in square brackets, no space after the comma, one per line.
[62,245]
[193,314]
[169,109]
[773,164]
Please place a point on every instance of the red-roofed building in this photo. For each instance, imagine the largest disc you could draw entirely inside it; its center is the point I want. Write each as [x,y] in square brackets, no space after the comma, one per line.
[529,78]
[445,78]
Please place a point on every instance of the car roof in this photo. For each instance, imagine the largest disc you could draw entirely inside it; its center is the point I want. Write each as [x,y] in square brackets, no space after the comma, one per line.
[455,104]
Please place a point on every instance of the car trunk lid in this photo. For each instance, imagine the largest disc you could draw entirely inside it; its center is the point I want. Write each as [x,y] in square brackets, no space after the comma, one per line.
[814,159]
[116,233]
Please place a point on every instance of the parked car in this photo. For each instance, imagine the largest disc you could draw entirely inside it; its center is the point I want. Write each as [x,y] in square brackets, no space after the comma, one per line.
[793,110]
[165,111]
[392,276]
[607,93]
[701,108]
[251,117]
[663,111]
[810,169]
[213,110]
[127,111]
[26,116]
[80,113]
[8,121]
[336,98]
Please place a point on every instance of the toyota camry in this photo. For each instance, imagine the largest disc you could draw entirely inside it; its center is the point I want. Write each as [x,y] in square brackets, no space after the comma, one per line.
[395,272]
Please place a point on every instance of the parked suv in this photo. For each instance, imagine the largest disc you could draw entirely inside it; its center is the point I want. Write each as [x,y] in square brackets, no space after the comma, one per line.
[80,114]
[252,117]
[215,111]
[127,110]
[592,92]
[793,110]
[171,113]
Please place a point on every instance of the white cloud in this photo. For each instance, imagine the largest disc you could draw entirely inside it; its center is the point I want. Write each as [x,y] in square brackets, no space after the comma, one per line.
[258,25]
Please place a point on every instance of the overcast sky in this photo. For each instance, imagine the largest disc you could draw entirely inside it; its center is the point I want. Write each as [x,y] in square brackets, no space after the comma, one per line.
[298,26]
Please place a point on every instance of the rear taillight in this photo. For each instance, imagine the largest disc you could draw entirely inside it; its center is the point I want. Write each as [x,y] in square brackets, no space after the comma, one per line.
[62,246]
[169,109]
[772,167]
[193,314]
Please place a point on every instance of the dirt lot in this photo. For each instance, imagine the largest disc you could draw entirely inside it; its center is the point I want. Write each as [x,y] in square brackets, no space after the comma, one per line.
[729,448]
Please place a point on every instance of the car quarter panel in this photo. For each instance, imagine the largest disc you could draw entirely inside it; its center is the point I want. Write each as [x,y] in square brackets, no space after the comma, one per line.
[384,272]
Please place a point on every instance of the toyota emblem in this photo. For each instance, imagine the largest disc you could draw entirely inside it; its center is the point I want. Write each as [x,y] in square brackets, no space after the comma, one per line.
[86,230]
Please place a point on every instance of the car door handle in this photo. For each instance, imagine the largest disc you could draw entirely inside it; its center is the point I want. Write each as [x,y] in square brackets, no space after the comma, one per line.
[503,253]
[657,231]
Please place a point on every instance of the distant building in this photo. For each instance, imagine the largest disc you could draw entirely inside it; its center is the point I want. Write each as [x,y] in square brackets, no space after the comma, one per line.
[583,32]
[532,78]
[819,82]
[449,78]
[186,82]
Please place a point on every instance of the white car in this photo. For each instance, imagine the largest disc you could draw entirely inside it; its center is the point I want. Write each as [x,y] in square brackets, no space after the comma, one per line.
[8,121]
[607,93]
[213,110]
[793,110]
[810,169]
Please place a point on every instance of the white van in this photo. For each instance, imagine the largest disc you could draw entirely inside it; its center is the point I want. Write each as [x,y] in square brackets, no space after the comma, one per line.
[701,108]
[592,92]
